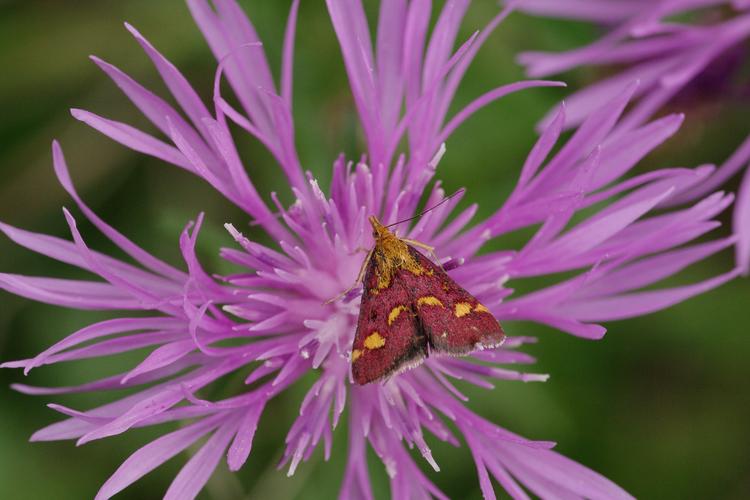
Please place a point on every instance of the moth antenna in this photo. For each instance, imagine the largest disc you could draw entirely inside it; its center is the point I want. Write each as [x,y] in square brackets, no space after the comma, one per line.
[460,191]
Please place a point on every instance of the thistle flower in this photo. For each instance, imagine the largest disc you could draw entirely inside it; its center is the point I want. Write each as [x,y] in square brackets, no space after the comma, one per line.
[273,311]
[675,48]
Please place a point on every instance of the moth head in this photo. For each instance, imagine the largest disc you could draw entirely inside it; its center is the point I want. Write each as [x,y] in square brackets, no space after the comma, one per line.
[378,229]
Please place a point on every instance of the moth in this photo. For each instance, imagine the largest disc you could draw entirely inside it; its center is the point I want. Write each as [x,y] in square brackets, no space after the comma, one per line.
[412,309]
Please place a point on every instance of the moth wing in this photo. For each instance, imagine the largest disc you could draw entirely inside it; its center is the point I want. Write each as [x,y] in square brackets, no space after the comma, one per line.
[388,337]
[454,321]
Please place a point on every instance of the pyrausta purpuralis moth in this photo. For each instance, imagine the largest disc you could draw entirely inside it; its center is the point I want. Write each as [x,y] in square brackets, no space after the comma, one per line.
[411,309]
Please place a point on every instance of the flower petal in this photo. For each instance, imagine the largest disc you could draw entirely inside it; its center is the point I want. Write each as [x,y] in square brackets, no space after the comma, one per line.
[195,473]
[155,453]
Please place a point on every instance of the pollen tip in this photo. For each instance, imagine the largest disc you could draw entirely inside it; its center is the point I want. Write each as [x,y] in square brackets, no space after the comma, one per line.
[427,454]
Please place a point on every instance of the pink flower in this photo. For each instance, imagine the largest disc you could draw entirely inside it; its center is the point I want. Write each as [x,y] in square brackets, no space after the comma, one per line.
[671,47]
[624,240]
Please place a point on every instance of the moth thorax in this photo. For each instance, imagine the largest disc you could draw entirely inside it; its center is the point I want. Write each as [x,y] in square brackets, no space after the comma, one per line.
[392,246]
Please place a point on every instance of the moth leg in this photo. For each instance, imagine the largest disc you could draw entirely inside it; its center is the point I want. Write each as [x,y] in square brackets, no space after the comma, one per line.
[419,244]
[359,279]
[430,250]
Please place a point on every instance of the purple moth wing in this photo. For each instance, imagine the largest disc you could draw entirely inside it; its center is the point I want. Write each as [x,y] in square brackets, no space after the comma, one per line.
[388,336]
[454,321]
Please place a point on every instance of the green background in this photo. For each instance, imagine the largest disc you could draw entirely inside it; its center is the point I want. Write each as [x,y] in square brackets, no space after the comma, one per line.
[660,405]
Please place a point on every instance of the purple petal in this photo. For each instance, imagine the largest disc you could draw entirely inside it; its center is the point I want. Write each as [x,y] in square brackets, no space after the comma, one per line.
[155,453]
[137,253]
[195,473]
[288,54]
[108,327]
[638,304]
[741,224]
[157,110]
[621,155]
[653,269]
[603,11]
[132,138]
[561,473]
[243,441]
[76,294]
[487,98]
[178,86]
[161,357]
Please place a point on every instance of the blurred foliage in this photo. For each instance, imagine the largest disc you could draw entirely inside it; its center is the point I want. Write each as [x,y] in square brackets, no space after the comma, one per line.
[659,405]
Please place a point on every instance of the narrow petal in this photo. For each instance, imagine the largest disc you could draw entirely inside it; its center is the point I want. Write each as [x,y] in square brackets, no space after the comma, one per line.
[153,455]
[243,441]
[195,473]
[137,253]
[179,87]
[562,473]
[487,98]
[132,138]
[287,60]
[741,224]
[638,304]
[161,357]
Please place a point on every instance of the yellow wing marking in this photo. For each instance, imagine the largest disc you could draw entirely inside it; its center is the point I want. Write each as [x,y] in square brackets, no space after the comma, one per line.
[481,309]
[429,300]
[462,309]
[393,315]
[374,341]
